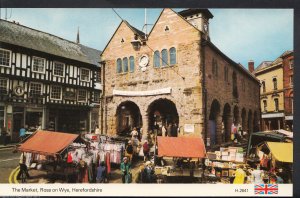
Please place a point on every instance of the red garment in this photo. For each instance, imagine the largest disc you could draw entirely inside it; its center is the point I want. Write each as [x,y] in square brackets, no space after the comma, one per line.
[107,159]
[69,159]
[146,147]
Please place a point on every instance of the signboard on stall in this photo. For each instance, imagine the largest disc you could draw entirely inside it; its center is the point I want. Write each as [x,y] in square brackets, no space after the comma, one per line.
[189,128]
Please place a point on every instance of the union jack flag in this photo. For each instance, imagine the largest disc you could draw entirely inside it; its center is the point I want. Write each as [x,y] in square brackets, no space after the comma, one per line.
[266,189]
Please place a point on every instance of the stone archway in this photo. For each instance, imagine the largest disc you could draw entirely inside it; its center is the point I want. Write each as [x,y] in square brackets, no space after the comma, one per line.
[214,123]
[227,121]
[160,112]
[236,117]
[128,115]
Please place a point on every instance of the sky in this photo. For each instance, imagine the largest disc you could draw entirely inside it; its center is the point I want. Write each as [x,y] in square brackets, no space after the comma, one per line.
[241,34]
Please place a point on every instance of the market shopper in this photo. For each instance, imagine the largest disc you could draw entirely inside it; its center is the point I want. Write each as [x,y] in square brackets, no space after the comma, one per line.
[257,175]
[22,133]
[146,150]
[169,130]
[239,175]
[129,150]
[148,173]
[134,133]
[101,173]
[126,171]
[163,130]
[97,130]
[23,166]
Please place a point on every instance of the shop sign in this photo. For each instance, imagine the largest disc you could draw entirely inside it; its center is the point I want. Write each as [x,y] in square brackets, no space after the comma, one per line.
[189,128]
[18,90]
[273,115]
[288,117]
[143,93]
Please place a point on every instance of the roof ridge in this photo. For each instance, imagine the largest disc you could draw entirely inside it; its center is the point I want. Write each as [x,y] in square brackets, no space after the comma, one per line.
[24,26]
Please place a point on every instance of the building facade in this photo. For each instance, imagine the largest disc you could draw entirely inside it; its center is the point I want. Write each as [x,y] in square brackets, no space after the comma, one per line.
[288,84]
[175,75]
[276,78]
[46,81]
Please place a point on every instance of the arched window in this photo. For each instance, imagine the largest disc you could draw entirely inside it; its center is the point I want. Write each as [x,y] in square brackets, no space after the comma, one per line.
[164,54]
[275,83]
[125,64]
[156,59]
[172,56]
[131,60]
[276,104]
[119,66]
[234,85]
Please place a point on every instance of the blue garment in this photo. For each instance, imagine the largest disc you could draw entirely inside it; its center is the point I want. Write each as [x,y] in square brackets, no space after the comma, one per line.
[101,173]
[22,132]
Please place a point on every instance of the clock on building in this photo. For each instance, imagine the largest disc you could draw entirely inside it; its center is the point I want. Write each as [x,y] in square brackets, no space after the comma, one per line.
[143,62]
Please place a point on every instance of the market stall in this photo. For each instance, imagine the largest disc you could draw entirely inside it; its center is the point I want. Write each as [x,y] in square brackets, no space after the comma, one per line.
[221,165]
[275,156]
[179,157]
[46,149]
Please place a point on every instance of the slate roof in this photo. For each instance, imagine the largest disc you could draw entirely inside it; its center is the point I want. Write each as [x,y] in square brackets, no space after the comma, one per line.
[23,36]
[266,64]
[135,30]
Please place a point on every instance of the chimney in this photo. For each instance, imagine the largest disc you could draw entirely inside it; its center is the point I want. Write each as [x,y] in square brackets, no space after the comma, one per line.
[251,66]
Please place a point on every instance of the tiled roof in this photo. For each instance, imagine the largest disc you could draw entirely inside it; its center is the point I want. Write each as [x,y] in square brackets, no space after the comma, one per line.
[264,64]
[23,36]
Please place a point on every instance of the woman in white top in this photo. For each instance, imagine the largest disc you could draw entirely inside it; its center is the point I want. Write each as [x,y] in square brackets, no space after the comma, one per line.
[257,176]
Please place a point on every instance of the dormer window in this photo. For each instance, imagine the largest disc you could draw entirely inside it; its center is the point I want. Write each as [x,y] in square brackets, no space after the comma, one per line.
[85,75]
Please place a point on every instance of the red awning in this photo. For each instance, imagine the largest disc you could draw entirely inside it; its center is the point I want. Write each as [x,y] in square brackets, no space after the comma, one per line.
[181,147]
[47,142]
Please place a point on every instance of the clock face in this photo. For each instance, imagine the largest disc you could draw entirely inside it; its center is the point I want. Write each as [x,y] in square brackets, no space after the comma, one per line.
[144,60]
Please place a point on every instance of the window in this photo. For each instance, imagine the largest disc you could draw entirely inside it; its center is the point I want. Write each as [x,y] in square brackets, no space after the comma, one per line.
[263,84]
[275,83]
[56,92]
[172,56]
[81,95]
[125,64]
[265,105]
[58,69]
[291,63]
[119,66]
[131,60]
[38,64]
[3,86]
[164,54]
[215,67]
[85,75]
[292,105]
[156,59]
[5,56]
[234,85]
[226,74]
[98,76]
[35,89]
[276,104]
[97,97]
[243,85]
[291,80]
[70,94]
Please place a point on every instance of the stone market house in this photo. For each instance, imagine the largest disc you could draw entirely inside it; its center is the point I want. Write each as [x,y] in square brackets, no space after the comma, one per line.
[46,81]
[175,75]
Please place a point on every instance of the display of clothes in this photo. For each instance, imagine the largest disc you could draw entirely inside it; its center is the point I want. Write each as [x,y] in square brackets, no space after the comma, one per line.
[115,150]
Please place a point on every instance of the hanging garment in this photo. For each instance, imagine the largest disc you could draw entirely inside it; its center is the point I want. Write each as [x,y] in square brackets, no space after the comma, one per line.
[69,158]
[108,162]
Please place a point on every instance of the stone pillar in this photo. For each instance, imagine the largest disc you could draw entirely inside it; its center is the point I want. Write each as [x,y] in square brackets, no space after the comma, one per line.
[145,119]
[219,129]
[228,123]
